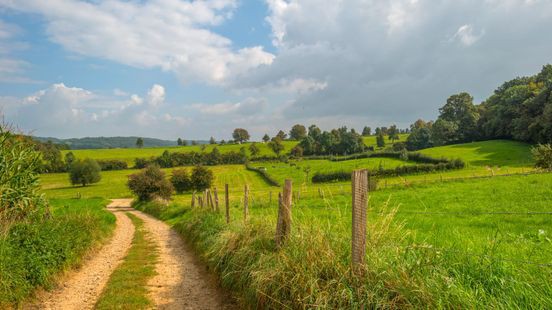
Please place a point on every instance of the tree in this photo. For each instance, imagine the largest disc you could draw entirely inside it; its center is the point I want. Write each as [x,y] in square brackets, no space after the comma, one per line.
[393,133]
[462,116]
[281,135]
[276,145]
[180,179]
[297,132]
[179,142]
[84,172]
[254,149]
[543,156]
[69,159]
[419,138]
[194,142]
[139,143]
[444,132]
[150,183]
[366,131]
[240,135]
[201,178]
[266,138]
[378,131]
[380,139]
[184,142]
[297,151]
[212,141]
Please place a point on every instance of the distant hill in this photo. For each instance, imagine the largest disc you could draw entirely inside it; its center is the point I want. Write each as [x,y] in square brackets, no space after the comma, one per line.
[109,142]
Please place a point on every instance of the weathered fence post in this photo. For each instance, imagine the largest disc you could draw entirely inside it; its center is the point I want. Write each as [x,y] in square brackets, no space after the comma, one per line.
[245,202]
[360,204]
[210,197]
[215,192]
[200,202]
[227,203]
[270,197]
[283,226]
[193,199]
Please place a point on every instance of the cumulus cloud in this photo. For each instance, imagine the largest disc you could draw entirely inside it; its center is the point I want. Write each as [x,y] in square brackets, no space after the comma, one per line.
[156,95]
[172,35]
[397,60]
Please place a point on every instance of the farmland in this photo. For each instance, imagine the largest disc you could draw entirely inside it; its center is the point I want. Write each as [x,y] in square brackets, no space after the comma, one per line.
[474,227]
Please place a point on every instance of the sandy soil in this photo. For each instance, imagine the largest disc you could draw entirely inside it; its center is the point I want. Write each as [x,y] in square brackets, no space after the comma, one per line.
[82,288]
[182,282]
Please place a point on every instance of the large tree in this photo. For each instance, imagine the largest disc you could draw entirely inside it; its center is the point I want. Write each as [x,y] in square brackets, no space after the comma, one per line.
[297,132]
[140,143]
[460,115]
[393,133]
[240,135]
[84,172]
[366,131]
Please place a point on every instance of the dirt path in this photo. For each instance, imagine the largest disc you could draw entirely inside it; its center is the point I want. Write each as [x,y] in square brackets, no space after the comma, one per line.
[82,289]
[182,282]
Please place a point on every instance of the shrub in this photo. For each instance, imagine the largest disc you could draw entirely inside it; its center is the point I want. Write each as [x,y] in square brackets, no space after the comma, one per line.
[108,165]
[150,183]
[85,172]
[262,172]
[297,151]
[201,178]
[141,163]
[542,154]
[19,186]
[181,181]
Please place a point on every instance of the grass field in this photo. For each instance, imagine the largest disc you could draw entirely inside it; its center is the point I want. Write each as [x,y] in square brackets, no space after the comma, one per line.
[130,154]
[448,245]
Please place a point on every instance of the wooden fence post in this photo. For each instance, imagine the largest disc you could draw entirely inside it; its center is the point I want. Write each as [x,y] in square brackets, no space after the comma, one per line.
[270,197]
[360,204]
[210,197]
[227,203]
[200,202]
[215,192]
[245,202]
[193,199]
[283,226]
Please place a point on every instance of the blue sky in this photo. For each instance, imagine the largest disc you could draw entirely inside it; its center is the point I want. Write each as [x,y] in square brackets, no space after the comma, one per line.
[195,69]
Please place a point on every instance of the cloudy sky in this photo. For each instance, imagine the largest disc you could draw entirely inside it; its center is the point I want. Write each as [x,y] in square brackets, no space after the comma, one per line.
[195,69]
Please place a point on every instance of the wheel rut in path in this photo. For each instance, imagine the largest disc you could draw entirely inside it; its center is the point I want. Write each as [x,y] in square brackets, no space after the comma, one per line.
[83,287]
[182,281]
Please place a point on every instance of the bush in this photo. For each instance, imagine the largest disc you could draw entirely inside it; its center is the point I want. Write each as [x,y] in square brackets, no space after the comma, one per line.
[181,181]
[141,163]
[19,183]
[150,183]
[542,154]
[85,172]
[201,178]
[109,165]
[263,174]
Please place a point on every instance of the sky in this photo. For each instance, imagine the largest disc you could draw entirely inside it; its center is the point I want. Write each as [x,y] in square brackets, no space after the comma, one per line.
[196,69]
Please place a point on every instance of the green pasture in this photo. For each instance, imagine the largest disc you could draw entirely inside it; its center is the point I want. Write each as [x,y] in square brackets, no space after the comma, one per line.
[130,154]
[371,140]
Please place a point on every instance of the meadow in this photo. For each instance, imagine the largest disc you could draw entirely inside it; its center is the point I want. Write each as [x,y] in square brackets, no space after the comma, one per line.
[476,238]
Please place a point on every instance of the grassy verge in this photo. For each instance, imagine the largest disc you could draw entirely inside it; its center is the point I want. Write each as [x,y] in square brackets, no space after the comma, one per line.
[126,288]
[471,257]
[33,253]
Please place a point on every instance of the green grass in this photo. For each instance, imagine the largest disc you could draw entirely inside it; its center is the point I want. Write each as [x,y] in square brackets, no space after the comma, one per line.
[35,252]
[130,154]
[127,286]
[460,259]
[371,140]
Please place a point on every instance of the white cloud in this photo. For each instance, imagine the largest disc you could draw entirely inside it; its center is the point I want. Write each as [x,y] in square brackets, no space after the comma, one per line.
[466,35]
[156,95]
[249,106]
[167,34]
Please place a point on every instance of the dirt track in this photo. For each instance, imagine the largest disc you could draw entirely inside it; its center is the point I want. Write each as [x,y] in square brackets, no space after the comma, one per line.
[181,281]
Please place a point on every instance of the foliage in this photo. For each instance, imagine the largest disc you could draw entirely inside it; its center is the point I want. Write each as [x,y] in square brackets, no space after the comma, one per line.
[262,172]
[181,181]
[202,178]
[179,141]
[339,141]
[297,132]
[393,133]
[19,179]
[419,138]
[84,172]
[212,141]
[254,149]
[380,139]
[139,143]
[366,131]
[297,151]
[240,135]
[150,183]
[266,138]
[276,145]
[113,164]
[543,156]
[51,157]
